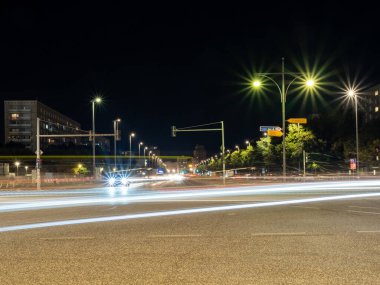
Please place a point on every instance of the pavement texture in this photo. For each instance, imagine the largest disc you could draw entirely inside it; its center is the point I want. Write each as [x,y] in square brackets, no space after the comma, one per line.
[331,242]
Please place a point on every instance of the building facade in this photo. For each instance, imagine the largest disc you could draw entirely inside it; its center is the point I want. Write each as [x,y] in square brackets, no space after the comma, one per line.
[199,154]
[371,104]
[20,123]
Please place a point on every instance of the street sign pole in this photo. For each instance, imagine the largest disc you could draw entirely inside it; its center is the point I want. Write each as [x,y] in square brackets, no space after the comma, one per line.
[283,99]
[304,163]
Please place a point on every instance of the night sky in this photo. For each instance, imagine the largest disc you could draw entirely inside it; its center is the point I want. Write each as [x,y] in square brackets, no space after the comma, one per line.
[183,65]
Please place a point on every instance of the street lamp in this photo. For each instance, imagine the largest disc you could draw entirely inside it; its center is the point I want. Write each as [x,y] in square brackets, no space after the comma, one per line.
[247,143]
[17,163]
[26,169]
[140,144]
[116,136]
[149,161]
[145,161]
[97,100]
[237,147]
[309,83]
[130,149]
[352,94]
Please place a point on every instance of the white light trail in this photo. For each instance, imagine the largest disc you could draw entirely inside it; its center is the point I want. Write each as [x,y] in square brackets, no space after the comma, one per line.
[215,192]
[184,211]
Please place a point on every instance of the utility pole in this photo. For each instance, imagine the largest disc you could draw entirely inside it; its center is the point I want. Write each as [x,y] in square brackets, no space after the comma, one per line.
[38,159]
[193,129]
[223,154]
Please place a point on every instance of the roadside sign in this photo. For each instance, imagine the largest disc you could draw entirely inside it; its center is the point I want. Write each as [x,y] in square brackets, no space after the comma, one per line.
[266,128]
[353,163]
[274,133]
[297,120]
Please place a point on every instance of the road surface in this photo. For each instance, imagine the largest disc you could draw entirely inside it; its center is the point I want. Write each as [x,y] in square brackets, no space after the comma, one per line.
[306,233]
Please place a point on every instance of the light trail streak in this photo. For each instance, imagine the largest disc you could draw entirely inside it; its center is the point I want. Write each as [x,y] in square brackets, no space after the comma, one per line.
[183,212]
[216,192]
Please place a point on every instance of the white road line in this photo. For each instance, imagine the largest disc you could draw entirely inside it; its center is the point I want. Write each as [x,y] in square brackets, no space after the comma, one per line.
[279,234]
[201,200]
[304,207]
[374,213]
[67,238]
[363,207]
[172,236]
[368,232]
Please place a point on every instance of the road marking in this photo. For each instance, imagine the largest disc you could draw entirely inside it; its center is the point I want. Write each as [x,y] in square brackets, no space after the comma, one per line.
[279,234]
[368,232]
[172,236]
[184,212]
[363,207]
[304,207]
[67,238]
[374,213]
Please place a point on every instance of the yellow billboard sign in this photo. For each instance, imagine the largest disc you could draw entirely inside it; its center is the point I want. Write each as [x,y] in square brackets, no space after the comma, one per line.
[297,120]
[274,133]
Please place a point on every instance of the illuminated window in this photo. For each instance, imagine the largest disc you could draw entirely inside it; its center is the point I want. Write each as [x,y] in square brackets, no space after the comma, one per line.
[376,109]
[376,92]
[14,116]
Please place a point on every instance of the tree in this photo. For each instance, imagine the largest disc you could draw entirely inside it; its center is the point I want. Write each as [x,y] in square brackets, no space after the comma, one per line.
[265,149]
[297,139]
[246,156]
[235,159]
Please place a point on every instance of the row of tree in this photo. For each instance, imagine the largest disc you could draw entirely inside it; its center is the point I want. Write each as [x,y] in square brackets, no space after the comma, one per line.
[321,154]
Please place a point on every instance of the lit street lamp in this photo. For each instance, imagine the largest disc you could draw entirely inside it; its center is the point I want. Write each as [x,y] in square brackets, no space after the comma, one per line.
[352,94]
[309,83]
[145,161]
[130,149]
[17,163]
[237,147]
[140,144]
[247,143]
[95,100]
[26,169]
[116,137]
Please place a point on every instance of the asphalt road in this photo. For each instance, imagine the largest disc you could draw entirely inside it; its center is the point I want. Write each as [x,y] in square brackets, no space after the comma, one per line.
[305,242]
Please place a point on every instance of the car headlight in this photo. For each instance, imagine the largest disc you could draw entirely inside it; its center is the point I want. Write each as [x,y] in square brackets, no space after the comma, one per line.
[124,181]
[111,181]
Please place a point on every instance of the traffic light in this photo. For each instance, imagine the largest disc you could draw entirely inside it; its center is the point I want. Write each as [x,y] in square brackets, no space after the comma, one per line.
[174,130]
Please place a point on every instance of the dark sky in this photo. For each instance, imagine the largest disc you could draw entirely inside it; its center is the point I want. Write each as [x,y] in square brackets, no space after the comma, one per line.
[182,65]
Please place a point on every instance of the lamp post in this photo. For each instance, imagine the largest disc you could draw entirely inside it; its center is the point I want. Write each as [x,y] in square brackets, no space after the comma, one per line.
[237,147]
[145,161]
[95,100]
[26,170]
[140,144]
[352,94]
[247,143]
[17,163]
[130,149]
[283,92]
[116,137]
